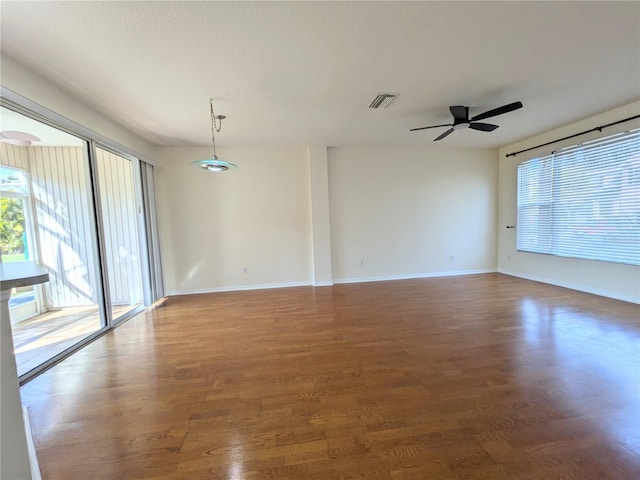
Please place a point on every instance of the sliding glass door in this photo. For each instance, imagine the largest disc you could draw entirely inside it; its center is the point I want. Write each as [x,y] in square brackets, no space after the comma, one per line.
[84,210]
[121,220]
[49,219]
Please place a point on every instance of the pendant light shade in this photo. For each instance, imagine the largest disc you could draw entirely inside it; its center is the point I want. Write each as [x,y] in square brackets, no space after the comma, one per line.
[214,164]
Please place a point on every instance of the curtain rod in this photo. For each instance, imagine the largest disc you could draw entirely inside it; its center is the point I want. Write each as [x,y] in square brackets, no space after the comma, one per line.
[599,129]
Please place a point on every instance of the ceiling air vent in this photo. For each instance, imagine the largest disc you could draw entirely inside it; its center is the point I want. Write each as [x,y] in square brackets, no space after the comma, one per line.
[382,100]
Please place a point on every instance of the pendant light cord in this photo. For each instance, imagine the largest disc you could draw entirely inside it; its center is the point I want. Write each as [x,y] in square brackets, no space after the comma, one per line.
[214,128]
[214,164]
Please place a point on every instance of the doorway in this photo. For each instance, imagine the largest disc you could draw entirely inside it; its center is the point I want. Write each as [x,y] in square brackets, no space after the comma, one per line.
[78,210]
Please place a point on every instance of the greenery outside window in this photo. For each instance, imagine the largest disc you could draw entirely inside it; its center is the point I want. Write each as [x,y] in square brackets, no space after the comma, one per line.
[14,191]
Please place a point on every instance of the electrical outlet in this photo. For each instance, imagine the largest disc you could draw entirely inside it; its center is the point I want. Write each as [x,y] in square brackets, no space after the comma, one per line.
[451,257]
[362,263]
[245,269]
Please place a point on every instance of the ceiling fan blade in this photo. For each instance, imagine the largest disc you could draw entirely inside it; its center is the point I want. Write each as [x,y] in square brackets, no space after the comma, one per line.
[448,132]
[483,127]
[459,112]
[14,135]
[432,126]
[498,111]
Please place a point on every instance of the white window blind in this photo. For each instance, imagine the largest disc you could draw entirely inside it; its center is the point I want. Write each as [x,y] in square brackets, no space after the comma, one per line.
[583,201]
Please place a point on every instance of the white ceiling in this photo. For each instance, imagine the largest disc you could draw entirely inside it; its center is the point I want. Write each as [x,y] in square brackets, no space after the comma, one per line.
[303,73]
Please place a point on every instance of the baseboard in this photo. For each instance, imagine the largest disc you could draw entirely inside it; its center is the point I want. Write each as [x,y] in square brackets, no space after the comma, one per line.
[571,286]
[387,278]
[238,288]
[31,448]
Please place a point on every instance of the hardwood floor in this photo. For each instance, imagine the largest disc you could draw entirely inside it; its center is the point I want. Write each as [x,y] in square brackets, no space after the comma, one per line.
[474,377]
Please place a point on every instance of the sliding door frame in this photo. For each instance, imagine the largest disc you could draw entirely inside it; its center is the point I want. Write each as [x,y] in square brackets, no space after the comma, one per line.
[147,177]
[141,234]
[144,186]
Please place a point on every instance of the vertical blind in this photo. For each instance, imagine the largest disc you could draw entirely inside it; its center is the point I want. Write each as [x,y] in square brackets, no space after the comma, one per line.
[583,201]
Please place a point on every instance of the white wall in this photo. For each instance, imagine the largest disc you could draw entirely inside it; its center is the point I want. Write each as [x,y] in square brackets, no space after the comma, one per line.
[602,278]
[214,225]
[404,212]
[23,82]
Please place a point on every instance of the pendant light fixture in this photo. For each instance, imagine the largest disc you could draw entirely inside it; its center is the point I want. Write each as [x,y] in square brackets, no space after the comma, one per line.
[214,164]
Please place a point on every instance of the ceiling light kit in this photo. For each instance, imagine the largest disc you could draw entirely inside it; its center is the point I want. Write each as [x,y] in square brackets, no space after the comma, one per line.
[18,138]
[461,119]
[214,164]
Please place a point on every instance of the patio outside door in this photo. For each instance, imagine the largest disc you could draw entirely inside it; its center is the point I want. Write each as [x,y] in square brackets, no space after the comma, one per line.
[122,223]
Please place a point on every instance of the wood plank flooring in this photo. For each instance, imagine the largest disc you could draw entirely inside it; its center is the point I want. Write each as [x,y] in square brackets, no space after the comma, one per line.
[472,377]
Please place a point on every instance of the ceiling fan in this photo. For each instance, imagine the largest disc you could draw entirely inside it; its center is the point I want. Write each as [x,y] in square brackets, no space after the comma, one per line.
[18,138]
[461,119]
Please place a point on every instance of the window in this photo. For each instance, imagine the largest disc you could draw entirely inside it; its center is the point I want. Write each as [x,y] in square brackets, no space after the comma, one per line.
[583,201]
[17,238]
[14,212]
